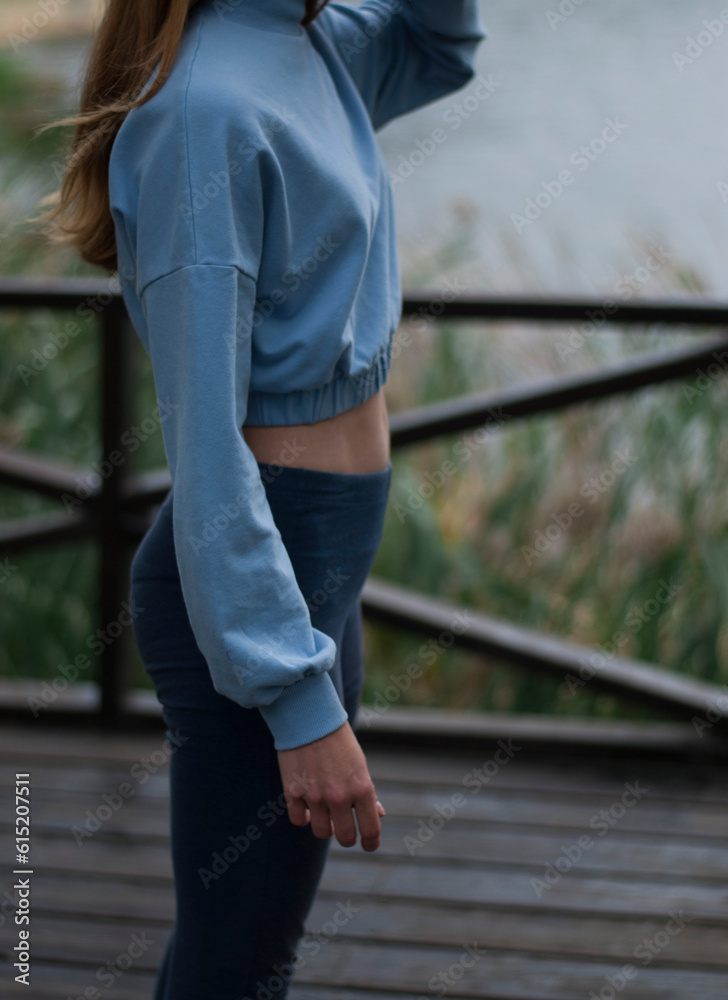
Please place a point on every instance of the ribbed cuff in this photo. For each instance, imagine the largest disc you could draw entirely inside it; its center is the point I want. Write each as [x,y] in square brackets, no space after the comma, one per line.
[305,711]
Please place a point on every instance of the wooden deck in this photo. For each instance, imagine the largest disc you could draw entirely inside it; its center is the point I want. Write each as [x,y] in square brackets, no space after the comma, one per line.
[659,874]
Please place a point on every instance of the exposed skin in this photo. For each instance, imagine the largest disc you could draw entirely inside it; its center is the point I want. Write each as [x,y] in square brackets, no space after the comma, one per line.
[327,781]
[356,440]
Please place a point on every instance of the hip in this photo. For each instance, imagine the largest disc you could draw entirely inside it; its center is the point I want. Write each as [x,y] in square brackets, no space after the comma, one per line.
[321,515]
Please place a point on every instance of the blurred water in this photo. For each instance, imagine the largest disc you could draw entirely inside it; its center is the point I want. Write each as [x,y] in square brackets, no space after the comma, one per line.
[557,86]
[656,183]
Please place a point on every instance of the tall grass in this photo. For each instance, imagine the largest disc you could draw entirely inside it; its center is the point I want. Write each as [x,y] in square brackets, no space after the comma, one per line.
[663,518]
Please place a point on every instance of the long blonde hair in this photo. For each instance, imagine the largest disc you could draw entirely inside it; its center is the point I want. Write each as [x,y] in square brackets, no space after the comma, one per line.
[131,38]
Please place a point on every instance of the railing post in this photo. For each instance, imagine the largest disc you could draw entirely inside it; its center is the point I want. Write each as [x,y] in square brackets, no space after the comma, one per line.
[117,414]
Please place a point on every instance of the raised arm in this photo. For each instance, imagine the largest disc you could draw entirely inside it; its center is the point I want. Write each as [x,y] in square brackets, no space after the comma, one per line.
[403,54]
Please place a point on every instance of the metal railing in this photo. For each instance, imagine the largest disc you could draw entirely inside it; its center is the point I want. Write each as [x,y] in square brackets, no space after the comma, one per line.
[116,513]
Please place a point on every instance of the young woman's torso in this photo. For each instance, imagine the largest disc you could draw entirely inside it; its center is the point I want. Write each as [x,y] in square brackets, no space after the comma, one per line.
[356,440]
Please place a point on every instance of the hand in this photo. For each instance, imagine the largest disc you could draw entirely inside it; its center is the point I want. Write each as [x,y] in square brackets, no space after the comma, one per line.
[326,779]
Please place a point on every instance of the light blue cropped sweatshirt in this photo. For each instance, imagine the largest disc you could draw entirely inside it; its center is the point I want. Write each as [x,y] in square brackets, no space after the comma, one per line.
[257,260]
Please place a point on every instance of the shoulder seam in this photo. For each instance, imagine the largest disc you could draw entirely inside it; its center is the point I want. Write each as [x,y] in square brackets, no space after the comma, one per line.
[183,267]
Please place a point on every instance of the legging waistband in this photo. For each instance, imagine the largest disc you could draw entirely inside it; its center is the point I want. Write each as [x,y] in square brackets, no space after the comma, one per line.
[298,479]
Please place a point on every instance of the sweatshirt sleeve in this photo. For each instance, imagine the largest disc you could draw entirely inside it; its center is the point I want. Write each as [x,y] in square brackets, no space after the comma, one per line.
[249,617]
[403,54]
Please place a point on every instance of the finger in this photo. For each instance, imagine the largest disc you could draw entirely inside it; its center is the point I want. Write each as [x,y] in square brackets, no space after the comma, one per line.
[380,807]
[344,825]
[370,827]
[308,819]
[297,811]
[321,824]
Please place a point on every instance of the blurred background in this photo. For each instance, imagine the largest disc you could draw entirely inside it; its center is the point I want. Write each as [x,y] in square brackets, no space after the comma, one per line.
[646,216]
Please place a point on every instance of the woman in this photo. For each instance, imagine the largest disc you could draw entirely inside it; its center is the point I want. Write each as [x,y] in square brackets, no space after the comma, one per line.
[225,164]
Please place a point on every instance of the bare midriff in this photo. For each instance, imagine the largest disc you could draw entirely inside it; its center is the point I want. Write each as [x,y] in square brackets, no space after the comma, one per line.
[356,440]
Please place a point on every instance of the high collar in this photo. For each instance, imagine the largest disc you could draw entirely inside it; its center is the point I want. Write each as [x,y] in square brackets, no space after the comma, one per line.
[281,15]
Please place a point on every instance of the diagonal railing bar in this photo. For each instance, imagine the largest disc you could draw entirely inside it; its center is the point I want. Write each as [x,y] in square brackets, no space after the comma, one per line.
[541,654]
[494,406]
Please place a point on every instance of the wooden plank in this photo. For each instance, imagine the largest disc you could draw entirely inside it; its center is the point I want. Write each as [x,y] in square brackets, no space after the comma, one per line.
[666,784]
[409,969]
[533,852]
[103,897]
[149,781]
[91,944]
[430,772]
[57,981]
[528,810]
[96,856]
[457,842]
[82,940]
[443,766]
[492,806]
[527,856]
[585,935]
[488,886]
[497,975]
[57,743]
[85,787]
[325,991]
[689,781]
[147,778]
[577,893]
[51,747]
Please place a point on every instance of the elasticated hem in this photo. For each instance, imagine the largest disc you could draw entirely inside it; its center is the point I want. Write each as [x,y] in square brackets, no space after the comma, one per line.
[308,406]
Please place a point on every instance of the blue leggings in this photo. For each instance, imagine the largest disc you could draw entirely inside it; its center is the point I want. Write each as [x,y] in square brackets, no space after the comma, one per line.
[245,877]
